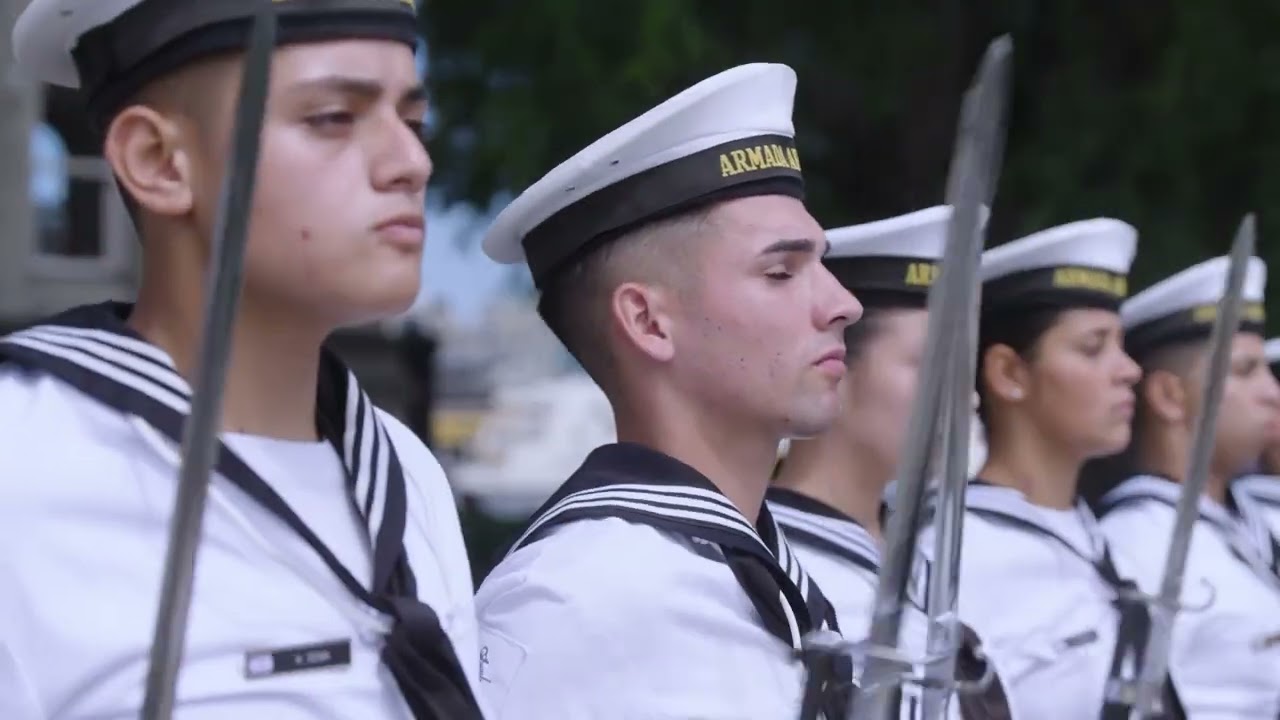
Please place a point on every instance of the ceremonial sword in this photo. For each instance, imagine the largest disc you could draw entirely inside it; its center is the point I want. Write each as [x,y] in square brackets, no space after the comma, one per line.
[200,431]
[946,381]
[1155,664]
[952,307]
[986,108]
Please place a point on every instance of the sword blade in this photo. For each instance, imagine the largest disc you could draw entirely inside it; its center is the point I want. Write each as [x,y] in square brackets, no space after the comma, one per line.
[200,433]
[943,589]
[950,304]
[1156,661]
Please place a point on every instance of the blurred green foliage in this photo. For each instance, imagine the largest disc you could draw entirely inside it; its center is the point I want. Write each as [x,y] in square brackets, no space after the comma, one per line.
[1160,112]
[1164,113]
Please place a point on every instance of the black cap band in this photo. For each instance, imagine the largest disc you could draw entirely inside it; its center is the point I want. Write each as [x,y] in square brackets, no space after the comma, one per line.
[759,165]
[887,281]
[1188,325]
[156,37]
[1064,286]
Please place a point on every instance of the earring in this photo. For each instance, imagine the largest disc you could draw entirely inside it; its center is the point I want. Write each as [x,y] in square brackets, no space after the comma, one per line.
[1016,393]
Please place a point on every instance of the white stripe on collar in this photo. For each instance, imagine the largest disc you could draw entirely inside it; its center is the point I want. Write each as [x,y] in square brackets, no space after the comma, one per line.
[842,533]
[150,371]
[1263,488]
[791,565]
[1254,525]
[1008,501]
[1149,486]
[691,504]
[1246,535]
[687,504]
[113,357]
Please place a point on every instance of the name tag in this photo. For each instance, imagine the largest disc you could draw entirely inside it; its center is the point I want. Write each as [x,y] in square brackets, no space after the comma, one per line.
[1080,639]
[265,663]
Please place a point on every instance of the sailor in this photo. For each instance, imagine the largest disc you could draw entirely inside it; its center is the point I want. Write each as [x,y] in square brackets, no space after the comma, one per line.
[332,579]
[1263,484]
[677,262]
[1225,651]
[827,495]
[1037,581]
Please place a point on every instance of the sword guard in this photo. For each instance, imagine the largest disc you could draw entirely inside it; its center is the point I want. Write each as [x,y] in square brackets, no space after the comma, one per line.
[896,666]
[988,676]
[1133,594]
[1201,607]
[1129,693]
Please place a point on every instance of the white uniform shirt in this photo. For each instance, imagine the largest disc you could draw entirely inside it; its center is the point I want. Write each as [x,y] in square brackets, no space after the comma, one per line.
[608,618]
[85,498]
[1265,491]
[1225,659]
[843,558]
[1044,613]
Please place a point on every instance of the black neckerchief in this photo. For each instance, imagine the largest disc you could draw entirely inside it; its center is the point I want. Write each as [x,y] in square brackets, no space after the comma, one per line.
[91,349]
[643,486]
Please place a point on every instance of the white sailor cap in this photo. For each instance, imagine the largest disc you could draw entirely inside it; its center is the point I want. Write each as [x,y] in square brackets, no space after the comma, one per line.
[895,261]
[111,48]
[728,136]
[1272,351]
[1080,264]
[1183,307]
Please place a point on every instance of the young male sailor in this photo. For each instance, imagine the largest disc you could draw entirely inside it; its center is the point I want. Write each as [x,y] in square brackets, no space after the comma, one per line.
[827,494]
[332,579]
[1263,485]
[1037,580]
[677,262]
[1225,658]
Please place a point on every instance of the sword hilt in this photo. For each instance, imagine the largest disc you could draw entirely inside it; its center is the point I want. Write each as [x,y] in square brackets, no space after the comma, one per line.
[894,665]
[1176,605]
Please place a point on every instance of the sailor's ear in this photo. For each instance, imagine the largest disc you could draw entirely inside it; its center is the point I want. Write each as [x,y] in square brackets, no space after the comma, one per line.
[640,313]
[147,153]
[1005,375]
[1166,397]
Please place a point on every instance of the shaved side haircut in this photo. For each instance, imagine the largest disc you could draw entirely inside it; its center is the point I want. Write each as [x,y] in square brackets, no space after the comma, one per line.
[191,95]
[575,302]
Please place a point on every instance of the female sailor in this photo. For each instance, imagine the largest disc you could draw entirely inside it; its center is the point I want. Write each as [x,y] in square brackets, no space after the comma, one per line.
[1055,386]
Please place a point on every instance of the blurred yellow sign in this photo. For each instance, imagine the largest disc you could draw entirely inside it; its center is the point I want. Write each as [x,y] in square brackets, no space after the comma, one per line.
[453,428]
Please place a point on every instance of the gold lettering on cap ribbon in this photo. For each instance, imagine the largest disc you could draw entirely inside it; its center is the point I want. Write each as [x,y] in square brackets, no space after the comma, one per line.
[758,157]
[921,274]
[1251,312]
[1075,278]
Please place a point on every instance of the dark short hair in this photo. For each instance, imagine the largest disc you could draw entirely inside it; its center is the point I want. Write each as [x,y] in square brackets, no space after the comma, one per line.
[1019,327]
[569,305]
[573,301]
